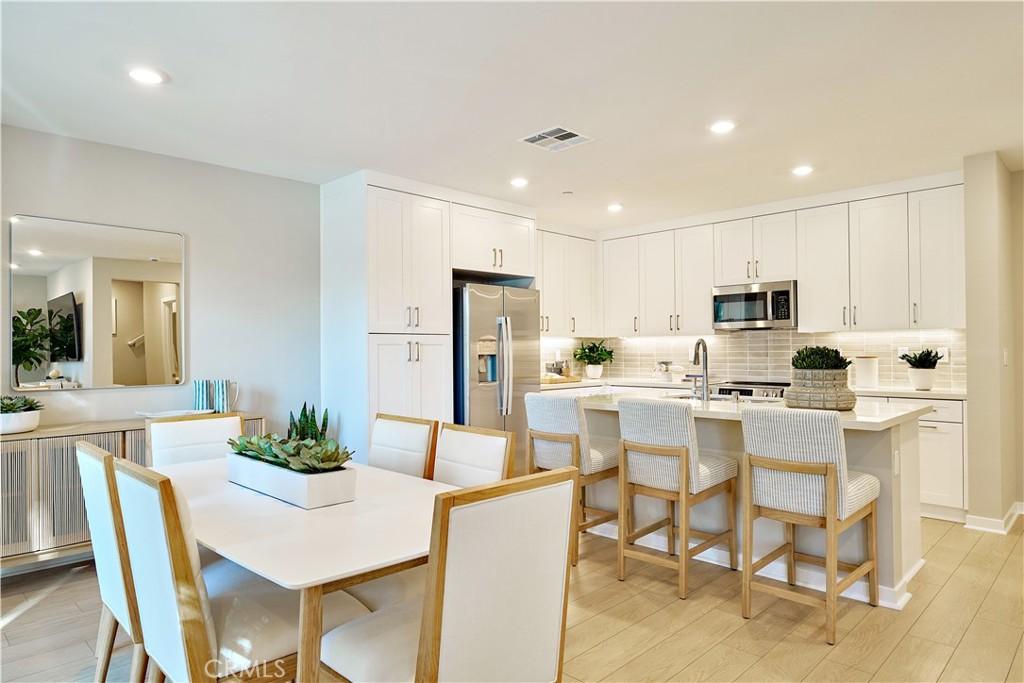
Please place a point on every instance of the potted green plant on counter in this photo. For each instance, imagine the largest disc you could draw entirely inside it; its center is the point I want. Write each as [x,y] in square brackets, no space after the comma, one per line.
[820,380]
[305,468]
[594,355]
[18,414]
[30,337]
[922,368]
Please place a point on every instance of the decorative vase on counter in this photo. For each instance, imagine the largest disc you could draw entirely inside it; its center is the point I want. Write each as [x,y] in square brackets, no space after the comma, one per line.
[16,423]
[595,371]
[820,389]
[922,379]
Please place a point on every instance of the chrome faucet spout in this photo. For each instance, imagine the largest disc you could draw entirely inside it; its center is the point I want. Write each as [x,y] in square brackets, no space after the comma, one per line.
[700,357]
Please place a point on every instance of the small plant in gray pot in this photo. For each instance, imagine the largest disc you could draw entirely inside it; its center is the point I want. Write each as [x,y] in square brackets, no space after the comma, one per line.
[18,414]
[922,368]
[820,380]
[594,355]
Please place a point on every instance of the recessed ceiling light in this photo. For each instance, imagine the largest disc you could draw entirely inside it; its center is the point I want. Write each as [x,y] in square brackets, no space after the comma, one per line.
[15,266]
[147,75]
[803,170]
[615,207]
[34,252]
[519,182]
[722,127]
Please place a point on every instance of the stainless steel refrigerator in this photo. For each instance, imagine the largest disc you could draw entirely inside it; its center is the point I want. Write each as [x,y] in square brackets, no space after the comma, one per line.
[497,358]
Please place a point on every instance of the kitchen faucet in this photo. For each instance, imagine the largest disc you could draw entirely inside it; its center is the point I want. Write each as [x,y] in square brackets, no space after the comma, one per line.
[700,357]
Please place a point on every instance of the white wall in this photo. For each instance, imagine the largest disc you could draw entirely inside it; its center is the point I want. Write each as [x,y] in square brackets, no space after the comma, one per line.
[252,265]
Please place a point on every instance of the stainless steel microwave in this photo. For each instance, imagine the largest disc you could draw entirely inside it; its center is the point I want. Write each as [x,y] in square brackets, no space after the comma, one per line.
[757,306]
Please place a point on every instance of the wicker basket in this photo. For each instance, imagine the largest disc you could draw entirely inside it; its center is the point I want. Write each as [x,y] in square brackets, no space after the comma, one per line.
[820,389]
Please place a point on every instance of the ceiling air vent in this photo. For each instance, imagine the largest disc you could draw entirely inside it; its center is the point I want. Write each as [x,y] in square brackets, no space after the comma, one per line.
[557,139]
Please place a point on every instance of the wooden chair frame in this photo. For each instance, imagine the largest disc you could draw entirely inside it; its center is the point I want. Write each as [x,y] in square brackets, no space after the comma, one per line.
[187,418]
[189,608]
[628,535]
[108,623]
[833,527]
[586,518]
[510,445]
[428,462]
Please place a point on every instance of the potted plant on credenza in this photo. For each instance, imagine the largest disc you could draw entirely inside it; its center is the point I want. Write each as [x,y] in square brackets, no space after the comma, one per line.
[30,338]
[306,468]
[18,414]
[820,380]
[594,355]
[922,368]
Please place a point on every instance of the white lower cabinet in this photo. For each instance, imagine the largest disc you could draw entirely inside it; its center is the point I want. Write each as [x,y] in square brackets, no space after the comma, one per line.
[411,375]
[942,463]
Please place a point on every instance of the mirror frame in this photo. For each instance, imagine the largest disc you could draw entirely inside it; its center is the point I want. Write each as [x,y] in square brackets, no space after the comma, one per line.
[183,305]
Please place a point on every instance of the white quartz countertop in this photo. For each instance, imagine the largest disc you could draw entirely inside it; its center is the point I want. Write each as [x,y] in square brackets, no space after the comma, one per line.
[873,417]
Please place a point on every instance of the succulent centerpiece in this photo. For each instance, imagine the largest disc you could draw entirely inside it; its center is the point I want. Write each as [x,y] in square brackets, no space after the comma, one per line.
[820,380]
[305,468]
[594,355]
[922,368]
[18,414]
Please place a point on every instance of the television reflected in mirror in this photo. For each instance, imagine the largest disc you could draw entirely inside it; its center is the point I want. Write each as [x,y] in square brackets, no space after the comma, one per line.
[94,306]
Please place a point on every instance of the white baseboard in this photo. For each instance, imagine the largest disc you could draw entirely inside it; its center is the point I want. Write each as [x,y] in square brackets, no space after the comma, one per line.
[948,514]
[994,525]
[809,576]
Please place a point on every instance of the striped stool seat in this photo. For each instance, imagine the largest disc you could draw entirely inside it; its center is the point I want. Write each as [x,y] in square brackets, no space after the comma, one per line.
[661,473]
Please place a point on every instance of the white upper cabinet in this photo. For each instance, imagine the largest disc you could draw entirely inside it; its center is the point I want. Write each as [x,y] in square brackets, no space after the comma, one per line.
[734,252]
[695,276]
[937,283]
[657,303]
[553,285]
[491,242]
[409,270]
[622,287]
[581,300]
[823,269]
[775,247]
[879,264]
[566,266]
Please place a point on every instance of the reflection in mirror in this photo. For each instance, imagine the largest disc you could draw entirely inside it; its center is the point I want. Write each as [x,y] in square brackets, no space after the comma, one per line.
[94,306]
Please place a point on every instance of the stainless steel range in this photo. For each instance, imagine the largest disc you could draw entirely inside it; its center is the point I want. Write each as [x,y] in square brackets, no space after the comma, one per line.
[753,389]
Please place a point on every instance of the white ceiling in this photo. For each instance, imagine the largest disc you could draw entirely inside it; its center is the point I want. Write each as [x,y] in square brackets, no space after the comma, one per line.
[865,92]
[65,242]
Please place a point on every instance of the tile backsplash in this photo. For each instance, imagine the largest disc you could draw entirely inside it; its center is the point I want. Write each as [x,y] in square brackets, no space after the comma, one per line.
[765,355]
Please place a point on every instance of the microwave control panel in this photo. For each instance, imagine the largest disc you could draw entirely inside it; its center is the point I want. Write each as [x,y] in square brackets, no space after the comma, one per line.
[780,305]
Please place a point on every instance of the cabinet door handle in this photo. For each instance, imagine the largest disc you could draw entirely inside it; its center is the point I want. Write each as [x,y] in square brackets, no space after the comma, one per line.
[417,352]
[915,312]
[501,258]
[844,316]
[921,426]
[855,315]
[756,264]
[408,316]
[636,322]
[417,317]
[494,258]
[669,322]
[408,346]
[573,319]
[748,269]
[548,329]
[677,322]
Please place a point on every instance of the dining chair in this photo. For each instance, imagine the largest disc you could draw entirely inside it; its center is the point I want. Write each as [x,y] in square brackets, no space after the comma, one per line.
[110,555]
[465,456]
[558,437]
[204,623]
[660,457]
[187,438]
[497,590]
[794,471]
[403,444]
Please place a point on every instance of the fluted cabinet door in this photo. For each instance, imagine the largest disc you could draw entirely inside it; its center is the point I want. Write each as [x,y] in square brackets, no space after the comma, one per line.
[135,447]
[17,491]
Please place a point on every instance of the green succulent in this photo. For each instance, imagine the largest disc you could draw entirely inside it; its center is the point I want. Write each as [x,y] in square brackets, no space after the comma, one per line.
[594,353]
[307,456]
[306,426]
[19,404]
[819,358]
[926,359]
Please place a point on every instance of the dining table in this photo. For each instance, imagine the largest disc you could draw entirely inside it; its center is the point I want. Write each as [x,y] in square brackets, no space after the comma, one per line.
[385,529]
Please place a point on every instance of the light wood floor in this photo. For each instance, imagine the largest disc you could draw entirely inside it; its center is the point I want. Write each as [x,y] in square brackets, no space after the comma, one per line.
[964,623]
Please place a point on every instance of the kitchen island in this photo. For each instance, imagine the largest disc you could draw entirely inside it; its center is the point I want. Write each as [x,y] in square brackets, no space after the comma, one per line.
[881,439]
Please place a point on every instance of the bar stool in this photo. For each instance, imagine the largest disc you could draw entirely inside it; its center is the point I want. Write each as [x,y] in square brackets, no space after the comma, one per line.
[659,457]
[558,437]
[794,471]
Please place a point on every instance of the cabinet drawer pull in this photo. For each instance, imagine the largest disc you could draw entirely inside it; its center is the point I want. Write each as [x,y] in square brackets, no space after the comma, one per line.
[921,426]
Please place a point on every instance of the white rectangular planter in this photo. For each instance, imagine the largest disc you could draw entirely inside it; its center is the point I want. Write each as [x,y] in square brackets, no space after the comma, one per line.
[303,490]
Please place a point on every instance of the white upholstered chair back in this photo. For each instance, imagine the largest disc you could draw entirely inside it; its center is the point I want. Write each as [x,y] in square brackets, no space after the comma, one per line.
[471,456]
[498,581]
[808,436]
[402,444]
[173,605]
[193,437]
[659,422]
[558,415]
[109,550]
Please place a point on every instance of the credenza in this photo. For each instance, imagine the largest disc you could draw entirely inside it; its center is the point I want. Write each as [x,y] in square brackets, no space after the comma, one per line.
[42,511]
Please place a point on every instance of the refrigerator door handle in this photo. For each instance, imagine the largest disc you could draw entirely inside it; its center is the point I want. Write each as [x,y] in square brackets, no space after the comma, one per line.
[502,374]
[509,366]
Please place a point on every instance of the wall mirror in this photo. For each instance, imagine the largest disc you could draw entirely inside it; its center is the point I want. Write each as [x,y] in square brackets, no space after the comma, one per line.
[94,306]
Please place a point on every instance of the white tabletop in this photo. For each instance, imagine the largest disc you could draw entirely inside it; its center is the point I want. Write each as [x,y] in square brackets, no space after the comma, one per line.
[388,522]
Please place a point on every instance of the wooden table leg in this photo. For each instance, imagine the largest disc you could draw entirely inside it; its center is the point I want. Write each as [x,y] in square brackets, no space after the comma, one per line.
[311,627]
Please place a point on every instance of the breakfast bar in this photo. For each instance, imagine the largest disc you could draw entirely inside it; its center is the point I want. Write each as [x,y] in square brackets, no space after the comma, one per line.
[880,439]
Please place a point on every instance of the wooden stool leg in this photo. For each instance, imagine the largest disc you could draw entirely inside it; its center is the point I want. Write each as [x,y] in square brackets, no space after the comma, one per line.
[871,541]
[623,513]
[730,517]
[831,556]
[748,538]
[670,510]
[684,541]
[581,517]
[105,643]
[790,530]
[137,673]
